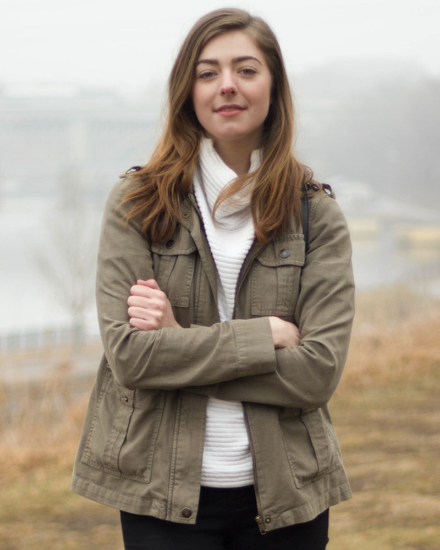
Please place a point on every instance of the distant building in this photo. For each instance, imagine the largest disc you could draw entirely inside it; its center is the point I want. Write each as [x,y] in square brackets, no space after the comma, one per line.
[44,132]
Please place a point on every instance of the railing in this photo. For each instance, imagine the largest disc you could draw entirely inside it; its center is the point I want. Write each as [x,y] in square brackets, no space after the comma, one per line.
[419,281]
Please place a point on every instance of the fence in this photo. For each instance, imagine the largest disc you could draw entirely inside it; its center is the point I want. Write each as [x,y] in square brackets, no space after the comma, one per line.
[425,283]
[46,337]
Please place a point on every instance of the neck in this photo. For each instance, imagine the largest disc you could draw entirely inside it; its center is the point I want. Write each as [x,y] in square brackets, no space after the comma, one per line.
[236,155]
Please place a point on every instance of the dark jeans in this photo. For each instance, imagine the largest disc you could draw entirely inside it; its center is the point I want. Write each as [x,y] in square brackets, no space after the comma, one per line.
[225,521]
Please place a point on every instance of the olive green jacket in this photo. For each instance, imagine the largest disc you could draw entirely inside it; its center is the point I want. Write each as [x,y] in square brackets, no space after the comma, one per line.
[142,442]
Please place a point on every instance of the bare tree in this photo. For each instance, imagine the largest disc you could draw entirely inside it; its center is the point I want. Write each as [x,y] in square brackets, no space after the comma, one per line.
[68,259]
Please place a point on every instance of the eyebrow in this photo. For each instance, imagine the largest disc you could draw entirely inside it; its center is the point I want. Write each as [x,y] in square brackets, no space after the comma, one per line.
[235,60]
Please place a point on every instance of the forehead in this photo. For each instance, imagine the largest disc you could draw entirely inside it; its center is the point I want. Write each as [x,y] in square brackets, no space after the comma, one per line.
[231,44]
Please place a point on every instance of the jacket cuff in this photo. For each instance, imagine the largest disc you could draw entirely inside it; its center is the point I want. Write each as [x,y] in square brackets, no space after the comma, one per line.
[255,347]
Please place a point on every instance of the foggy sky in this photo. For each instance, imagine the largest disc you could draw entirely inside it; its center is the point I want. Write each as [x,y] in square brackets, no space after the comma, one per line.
[131,44]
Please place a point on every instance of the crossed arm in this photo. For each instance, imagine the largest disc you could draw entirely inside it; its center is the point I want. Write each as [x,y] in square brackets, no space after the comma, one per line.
[258,360]
[150,309]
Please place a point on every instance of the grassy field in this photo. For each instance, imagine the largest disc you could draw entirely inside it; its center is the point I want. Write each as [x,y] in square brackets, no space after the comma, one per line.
[386,411]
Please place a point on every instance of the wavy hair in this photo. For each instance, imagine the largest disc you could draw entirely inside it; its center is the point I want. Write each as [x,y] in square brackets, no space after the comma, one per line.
[161,185]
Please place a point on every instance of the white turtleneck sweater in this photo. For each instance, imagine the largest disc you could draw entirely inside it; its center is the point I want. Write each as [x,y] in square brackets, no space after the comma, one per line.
[227,460]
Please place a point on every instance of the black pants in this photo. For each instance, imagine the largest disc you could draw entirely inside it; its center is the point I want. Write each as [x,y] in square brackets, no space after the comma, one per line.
[225,521]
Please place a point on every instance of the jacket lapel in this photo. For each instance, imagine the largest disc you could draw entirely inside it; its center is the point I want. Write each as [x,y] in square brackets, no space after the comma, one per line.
[192,221]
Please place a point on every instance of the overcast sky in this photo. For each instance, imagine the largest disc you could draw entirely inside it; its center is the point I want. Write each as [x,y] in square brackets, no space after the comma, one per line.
[129,44]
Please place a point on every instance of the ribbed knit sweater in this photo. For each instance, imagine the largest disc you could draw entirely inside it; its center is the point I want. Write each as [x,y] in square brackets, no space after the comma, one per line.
[227,460]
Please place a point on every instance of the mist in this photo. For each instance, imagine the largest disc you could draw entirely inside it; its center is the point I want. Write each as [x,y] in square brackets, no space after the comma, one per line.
[82,99]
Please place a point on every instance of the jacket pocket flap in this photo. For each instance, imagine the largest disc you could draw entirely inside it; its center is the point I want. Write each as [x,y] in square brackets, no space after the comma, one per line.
[284,251]
[180,244]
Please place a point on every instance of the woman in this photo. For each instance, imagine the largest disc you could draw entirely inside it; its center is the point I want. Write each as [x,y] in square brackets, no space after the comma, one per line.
[208,425]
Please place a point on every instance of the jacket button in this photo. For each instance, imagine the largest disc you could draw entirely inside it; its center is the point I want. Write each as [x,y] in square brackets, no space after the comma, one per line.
[267,520]
[169,244]
[185,214]
[125,399]
[284,253]
[187,512]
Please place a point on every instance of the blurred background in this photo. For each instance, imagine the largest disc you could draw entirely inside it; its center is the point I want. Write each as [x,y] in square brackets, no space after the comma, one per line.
[82,98]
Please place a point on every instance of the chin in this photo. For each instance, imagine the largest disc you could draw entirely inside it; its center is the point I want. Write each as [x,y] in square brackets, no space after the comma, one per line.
[235,136]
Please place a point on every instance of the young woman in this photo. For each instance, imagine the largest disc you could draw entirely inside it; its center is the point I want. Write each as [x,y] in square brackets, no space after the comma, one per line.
[208,426]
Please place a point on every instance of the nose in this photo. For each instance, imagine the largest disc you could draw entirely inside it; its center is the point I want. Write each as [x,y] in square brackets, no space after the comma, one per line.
[225,90]
[228,86]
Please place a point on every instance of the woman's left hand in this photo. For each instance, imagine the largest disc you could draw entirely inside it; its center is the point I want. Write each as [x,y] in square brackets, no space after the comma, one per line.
[149,307]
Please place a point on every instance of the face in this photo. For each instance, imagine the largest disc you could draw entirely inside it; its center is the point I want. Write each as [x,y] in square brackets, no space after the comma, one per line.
[232,89]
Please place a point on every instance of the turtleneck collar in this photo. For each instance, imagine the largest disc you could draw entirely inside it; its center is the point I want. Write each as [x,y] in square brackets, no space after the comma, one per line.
[216,175]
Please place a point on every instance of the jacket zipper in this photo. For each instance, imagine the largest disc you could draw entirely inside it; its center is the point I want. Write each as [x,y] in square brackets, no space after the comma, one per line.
[251,255]
[259,517]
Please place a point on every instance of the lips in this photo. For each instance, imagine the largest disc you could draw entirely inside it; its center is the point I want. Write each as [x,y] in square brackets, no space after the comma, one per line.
[229,108]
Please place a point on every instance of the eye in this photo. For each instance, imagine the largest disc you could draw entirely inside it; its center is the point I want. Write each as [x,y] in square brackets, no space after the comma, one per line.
[206,74]
[248,71]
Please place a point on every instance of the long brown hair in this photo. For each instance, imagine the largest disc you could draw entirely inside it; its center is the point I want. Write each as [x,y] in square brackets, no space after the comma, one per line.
[161,185]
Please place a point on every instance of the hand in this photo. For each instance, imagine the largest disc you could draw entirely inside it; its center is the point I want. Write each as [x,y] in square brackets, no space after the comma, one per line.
[149,307]
[284,334]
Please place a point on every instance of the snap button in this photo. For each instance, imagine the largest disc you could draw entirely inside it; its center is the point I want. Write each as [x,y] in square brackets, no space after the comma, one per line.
[267,520]
[185,214]
[187,512]
[125,399]
[284,253]
[169,244]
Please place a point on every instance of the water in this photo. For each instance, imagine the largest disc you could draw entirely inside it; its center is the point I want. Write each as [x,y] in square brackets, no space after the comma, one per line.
[30,299]
[32,232]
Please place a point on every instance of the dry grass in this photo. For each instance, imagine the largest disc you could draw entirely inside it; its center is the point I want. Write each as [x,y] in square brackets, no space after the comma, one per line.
[386,412]
[394,341]
[387,415]
[37,423]
[39,431]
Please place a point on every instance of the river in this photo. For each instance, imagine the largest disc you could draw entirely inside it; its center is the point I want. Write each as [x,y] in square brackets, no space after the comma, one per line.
[30,297]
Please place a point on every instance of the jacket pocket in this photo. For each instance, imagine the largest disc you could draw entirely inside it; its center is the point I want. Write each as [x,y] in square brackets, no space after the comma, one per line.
[173,264]
[309,445]
[276,277]
[123,434]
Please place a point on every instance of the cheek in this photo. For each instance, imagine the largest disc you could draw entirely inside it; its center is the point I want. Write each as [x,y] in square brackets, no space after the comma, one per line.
[262,96]
[200,108]
[199,97]
[268,94]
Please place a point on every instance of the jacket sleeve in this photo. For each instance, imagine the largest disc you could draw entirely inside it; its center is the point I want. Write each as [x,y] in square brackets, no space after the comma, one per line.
[307,375]
[166,358]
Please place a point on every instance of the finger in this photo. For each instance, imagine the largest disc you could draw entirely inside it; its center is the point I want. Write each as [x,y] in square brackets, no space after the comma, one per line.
[138,301]
[139,313]
[151,283]
[151,299]
[156,312]
[144,291]
[141,307]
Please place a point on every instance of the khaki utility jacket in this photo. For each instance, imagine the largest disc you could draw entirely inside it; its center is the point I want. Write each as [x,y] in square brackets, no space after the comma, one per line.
[142,442]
